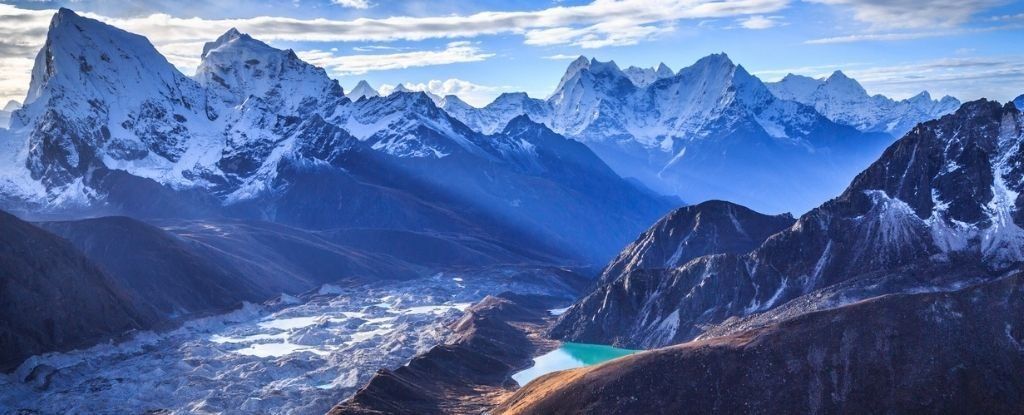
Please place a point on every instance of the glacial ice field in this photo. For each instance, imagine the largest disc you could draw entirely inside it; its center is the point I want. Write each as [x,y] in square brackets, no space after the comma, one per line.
[292,355]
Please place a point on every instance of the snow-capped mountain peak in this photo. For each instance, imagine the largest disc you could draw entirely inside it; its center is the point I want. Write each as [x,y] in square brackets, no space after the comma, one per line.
[642,77]
[454,103]
[843,87]
[362,90]
[1017,102]
[574,68]
[843,100]
[98,60]
[99,96]
[236,67]
[402,88]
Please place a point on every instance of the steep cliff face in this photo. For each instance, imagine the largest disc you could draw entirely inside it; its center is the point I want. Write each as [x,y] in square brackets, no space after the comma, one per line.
[938,209]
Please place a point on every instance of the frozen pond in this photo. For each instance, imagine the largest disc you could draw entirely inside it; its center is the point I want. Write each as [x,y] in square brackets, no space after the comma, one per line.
[569,356]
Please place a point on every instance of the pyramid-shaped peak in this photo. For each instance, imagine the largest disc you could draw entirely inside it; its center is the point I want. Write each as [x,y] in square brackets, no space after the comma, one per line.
[839,81]
[453,101]
[580,61]
[362,90]
[78,47]
[522,123]
[67,21]
[838,75]
[922,96]
[716,59]
[663,69]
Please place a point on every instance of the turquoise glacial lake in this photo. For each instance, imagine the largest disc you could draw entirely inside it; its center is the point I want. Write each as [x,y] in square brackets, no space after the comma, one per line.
[569,356]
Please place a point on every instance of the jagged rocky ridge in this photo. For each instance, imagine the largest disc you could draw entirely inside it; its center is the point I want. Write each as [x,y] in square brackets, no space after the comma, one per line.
[939,210]
[709,131]
[843,100]
[260,134]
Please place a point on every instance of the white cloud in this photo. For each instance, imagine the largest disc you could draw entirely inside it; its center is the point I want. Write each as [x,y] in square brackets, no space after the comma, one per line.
[610,33]
[561,57]
[355,4]
[759,22]
[599,19]
[474,94]
[913,14]
[454,52]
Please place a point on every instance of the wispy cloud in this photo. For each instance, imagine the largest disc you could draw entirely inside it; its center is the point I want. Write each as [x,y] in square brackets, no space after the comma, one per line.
[596,24]
[913,14]
[454,52]
[612,33]
[759,22]
[592,22]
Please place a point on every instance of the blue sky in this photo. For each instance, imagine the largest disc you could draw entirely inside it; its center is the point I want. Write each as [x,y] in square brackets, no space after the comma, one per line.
[478,49]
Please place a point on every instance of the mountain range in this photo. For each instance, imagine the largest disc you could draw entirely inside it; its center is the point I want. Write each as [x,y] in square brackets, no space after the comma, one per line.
[142,199]
[714,131]
[256,133]
[843,100]
[937,212]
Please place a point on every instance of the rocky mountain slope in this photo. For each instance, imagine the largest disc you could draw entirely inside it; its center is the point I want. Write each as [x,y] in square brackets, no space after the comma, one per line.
[925,352]
[713,227]
[709,131]
[938,210]
[843,100]
[259,134]
[54,298]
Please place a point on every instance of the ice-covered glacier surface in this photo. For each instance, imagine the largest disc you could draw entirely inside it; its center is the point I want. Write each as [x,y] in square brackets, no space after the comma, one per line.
[288,356]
